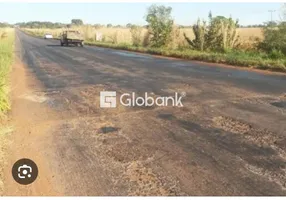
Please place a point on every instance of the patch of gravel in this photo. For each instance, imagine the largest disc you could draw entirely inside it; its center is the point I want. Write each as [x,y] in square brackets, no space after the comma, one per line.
[231,125]
[147,184]
[261,137]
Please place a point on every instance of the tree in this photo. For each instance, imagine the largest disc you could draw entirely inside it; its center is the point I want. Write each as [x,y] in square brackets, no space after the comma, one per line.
[76,22]
[38,24]
[4,25]
[109,25]
[274,41]
[129,25]
[97,25]
[160,25]
[271,23]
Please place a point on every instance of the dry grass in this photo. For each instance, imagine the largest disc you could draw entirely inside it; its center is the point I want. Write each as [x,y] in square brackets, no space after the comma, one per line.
[4,142]
[6,59]
[123,35]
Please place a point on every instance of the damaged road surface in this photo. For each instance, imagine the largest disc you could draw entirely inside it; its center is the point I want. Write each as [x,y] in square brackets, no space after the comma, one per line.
[229,138]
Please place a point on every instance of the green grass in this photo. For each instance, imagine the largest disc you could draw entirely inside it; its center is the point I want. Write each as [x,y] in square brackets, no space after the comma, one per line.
[6,59]
[240,58]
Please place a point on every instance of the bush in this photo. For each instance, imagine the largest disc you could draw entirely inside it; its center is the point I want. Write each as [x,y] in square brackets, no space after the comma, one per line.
[146,39]
[276,54]
[274,39]
[200,32]
[219,34]
[136,35]
[160,25]
[114,38]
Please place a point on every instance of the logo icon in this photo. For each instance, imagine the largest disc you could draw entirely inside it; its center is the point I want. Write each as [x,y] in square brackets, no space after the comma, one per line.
[107,99]
[25,171]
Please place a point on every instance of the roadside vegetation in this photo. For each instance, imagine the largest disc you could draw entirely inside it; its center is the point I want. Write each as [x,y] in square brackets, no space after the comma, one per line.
[217,39]
[6,59]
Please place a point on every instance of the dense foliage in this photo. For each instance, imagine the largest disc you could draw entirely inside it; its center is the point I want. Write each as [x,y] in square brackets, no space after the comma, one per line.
[77,22]
[4,25]
[274,41]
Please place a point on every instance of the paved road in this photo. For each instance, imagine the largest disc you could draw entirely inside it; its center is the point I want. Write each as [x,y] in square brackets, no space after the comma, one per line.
[228,139]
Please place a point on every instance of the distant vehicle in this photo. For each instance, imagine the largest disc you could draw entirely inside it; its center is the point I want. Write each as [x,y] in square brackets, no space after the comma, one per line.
[48,36]
[72,37]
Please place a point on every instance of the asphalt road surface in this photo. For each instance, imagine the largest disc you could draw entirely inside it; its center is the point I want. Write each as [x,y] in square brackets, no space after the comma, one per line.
[229,138]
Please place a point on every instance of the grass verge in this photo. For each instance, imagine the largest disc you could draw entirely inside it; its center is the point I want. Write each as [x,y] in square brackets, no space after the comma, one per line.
[6,60]
[254,60]
[242,59]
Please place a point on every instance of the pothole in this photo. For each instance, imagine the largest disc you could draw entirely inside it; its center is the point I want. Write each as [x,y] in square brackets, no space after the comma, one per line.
[279,104]
[108,129]
[259,136]
[166,116]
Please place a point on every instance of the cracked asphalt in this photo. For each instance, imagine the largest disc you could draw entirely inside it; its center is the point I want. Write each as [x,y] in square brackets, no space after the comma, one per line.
[229,138]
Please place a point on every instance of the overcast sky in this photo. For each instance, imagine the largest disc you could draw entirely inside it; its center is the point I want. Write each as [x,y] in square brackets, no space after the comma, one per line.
[123,13]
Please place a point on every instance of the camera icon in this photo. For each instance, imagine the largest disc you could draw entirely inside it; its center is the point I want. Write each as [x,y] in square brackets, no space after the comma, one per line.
[24,171]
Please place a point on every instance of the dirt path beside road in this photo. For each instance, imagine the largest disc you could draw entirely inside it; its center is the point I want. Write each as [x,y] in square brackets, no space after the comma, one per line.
[30,121]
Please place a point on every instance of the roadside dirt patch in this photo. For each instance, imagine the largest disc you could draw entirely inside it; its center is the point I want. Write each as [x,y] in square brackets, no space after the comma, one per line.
[30,120]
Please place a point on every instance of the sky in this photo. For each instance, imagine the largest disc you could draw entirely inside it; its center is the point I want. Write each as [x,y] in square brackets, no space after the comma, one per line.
[123,13]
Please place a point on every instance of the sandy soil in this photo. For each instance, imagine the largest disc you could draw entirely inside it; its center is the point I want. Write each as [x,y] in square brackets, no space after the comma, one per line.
[30,121]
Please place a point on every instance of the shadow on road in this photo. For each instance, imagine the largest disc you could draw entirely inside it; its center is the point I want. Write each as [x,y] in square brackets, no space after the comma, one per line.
[54,45]
[58,45]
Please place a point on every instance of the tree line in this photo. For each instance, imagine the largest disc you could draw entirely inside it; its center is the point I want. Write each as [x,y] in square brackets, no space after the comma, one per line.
[54,25]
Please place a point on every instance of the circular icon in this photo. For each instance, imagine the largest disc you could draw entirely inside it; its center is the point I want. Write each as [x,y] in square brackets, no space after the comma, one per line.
[25,171]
